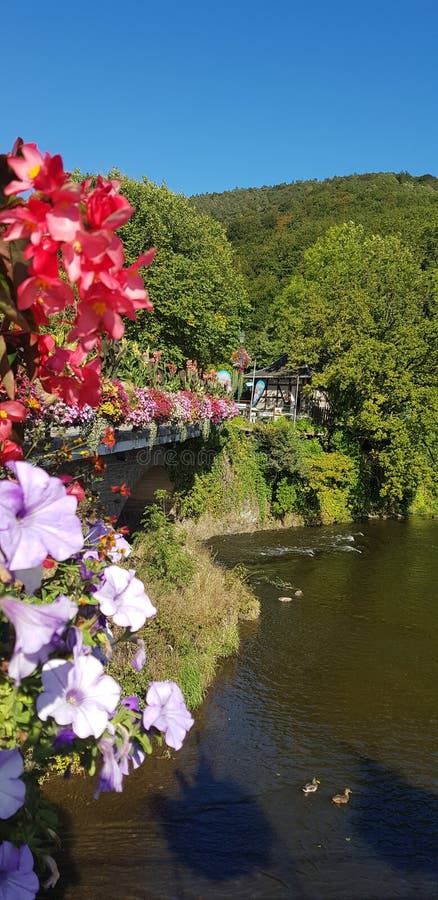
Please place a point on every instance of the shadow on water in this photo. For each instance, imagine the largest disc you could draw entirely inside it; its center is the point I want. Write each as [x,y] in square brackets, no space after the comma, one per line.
[398,820]
[67,864]
[214,827]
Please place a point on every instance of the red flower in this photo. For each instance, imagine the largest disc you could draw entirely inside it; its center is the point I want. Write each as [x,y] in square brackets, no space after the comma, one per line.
[109,438]
[73,487]
[10,412]
[121,489]
[10,451]
[99,465]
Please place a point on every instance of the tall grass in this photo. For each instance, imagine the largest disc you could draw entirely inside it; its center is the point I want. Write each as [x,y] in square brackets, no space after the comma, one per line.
[199,607]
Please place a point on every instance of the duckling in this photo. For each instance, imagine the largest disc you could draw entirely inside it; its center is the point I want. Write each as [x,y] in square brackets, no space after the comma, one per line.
[342,798]
[311,786]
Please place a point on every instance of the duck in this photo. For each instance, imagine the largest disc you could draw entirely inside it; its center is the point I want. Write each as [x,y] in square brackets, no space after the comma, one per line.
[342,798]
[311,786]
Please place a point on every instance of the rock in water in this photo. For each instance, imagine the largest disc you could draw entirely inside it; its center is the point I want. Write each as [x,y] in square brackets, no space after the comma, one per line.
[298,593]
[285,599]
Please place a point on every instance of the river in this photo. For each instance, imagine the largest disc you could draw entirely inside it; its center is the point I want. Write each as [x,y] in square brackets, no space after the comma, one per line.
[340,684]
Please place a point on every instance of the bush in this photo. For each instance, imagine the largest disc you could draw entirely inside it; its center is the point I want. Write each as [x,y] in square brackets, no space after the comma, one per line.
[197,622]
[234,481]
[164,547]
[286,498]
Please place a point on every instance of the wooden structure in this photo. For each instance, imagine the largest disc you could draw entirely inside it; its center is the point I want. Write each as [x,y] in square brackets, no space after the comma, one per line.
[283,393]
[286,393]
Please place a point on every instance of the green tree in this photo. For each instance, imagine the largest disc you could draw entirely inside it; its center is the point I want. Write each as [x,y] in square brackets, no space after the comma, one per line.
[271,227]
[199,298]
[363,315]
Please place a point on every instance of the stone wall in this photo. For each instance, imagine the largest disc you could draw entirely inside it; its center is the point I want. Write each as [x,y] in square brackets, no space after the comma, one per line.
[140,460]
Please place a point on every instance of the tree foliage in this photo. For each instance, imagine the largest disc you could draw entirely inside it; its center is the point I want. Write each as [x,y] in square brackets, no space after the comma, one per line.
[199,298]
[272,227]
[362,314]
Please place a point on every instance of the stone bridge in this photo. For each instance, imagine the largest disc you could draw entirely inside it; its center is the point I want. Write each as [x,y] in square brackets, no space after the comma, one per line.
[141,460]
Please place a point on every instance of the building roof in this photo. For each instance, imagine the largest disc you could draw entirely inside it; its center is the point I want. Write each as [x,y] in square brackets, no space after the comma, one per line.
[279,368]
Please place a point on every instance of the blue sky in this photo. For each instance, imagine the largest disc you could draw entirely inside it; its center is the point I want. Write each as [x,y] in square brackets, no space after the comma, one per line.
[211,96]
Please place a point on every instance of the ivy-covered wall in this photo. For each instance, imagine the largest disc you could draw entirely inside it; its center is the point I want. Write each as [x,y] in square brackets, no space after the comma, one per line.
[263,475]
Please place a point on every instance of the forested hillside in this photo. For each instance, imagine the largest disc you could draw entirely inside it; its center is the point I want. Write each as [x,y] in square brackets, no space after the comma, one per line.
[271,227]
[344,275]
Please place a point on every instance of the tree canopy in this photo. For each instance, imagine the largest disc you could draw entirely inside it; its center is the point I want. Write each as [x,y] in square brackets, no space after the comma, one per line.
[198,295]
[363,316]
[271,228]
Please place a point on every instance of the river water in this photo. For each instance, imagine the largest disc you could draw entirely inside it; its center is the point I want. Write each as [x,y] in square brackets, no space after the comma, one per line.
[340,684]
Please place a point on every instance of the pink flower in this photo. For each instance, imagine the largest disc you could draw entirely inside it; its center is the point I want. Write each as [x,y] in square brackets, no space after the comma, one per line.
[78,694]
[46,295]
[62,373]
[27,167]
[123,597]
[85,255]
[25,222]
[43,258]
[73,488]
[166,711]
[37,518]
[10,451]
[64,218]
[105,207]
[33,171]
[37,629]
[97,313]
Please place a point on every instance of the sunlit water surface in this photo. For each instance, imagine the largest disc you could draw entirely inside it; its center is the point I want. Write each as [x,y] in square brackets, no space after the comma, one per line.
[340,683]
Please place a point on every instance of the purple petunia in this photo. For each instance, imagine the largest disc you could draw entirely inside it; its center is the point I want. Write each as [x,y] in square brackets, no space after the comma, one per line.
[122,596]
[110,776]
[166,711]
[64,738]
[12,788]
[37,518]
[131,703]
[37,631]
[78,694]
[18,880]
[98,530]
[139,659]
[117,756]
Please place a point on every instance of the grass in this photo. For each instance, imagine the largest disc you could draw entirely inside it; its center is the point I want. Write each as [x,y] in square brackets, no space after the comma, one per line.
[197,622]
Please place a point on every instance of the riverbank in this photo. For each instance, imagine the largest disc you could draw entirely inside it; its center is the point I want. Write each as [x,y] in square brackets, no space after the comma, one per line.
[200,605]
[269,478]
